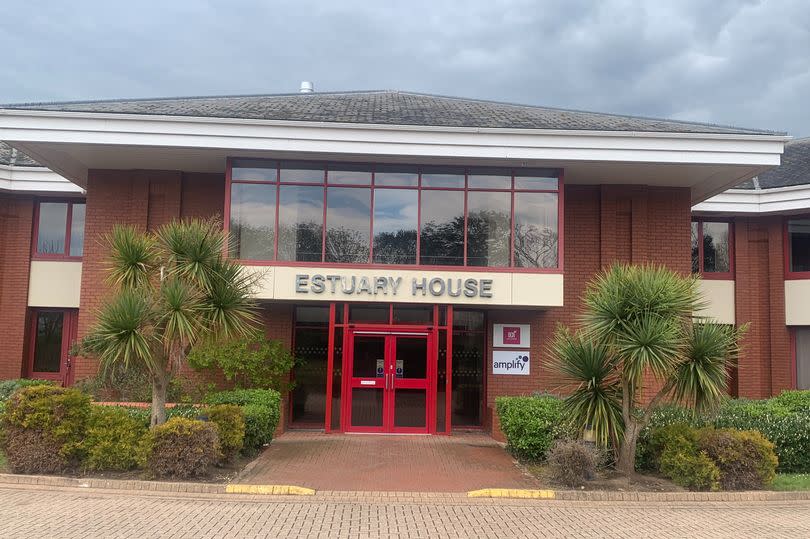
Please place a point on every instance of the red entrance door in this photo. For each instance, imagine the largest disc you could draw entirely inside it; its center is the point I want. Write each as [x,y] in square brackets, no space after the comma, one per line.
[390,389]
[52,333]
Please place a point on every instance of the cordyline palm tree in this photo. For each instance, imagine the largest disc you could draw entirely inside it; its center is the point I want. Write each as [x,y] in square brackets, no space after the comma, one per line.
[172,289]
[640,320]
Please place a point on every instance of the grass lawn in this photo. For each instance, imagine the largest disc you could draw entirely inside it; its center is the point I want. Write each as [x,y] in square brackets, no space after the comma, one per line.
[791,481]
[2,462]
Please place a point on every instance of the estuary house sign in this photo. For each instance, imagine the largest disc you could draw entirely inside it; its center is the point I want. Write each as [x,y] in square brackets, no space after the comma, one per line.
[392,286]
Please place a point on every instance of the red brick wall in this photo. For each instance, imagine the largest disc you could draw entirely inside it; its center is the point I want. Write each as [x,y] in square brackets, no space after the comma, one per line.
[765,363]
[16,225]
[603,224]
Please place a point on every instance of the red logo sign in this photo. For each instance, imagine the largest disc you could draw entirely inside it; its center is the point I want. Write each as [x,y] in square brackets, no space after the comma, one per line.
[511,335]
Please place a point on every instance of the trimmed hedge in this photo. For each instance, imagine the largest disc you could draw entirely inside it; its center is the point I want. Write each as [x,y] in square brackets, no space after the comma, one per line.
[43,428]
[7,387]
[112,440]
[530,424]
[262,409]
[182,448]
[230,422]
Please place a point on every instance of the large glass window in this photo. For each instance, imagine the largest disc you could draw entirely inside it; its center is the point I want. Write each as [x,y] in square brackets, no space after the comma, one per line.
[311,340]
[300,223]
[711,247]
[394,214]
[60,229]
[395,225]
[798,245]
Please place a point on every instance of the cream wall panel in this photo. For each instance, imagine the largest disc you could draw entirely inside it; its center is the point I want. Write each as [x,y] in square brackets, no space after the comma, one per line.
[720,298]
[409,286]
[54,283]
[797,302]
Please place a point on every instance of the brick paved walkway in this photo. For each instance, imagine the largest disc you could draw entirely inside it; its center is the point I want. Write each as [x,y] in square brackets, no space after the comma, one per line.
[455,463]
[30,512]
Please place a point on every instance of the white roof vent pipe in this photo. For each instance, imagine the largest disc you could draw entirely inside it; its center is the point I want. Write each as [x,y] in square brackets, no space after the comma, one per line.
[306,87]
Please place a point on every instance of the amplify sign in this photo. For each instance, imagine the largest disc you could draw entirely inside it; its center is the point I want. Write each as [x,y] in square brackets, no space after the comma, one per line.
[510,362]
[381,286]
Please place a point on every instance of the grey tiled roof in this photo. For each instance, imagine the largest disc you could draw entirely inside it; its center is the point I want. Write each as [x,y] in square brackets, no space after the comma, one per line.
[794,170]
[387,107]
[9,157]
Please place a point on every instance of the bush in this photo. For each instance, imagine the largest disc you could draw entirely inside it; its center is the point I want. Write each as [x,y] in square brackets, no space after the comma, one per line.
[7,387]
[530,424]
[690,468]
[647,456]
[570,462]
[782,420]
[262,408]
[230,422]
[182,448]
[113,439]
[126,383]
[43,428]
[745,459]
[253,362]
[662,437]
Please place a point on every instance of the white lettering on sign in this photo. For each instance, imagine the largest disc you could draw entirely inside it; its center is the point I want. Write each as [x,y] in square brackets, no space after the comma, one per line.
[511,335]
[511,362]
[384,286]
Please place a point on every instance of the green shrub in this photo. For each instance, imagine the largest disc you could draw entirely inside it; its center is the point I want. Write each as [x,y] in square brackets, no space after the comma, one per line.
[646,456]
[781,420]
[43,427]
[230,422]
[181,448]
[252,362]
[690,468]
[662,437]
[112,440]
[530,424]
[795,401]
[7,387]
[746,460]
[572,462]
[262,409]
[126,383]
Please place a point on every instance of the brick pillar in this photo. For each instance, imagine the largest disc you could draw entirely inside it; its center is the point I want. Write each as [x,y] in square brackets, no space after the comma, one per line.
[16,225]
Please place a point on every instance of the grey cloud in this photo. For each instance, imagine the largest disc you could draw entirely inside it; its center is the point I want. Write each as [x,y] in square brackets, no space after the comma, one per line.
[733,62]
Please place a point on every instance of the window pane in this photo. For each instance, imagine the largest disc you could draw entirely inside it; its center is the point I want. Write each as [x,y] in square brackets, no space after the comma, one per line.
[369,313]
[413,314]
[300,223]
[312,316]
[309,374]
[536,179]
[395,218]
[442,234]
[257,171]
[301,172]
[490,178]
[468,320]
[536,235]
[442,177]
[77,230]
[52,228]
[253,209]
[403,175]
[715,247]
[803,358]
[348,219]
[349,174]
[468,378]
[695,251]
[488,225]
[799,234]
[48,343]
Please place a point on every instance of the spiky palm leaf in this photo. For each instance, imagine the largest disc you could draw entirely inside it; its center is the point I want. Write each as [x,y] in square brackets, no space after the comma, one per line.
[701,378]
[180,313]
[133,257]
[231,310]
[192,249]
[649,342]
[596,400]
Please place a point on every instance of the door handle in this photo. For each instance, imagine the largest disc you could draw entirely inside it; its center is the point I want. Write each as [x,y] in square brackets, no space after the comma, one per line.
[386,381]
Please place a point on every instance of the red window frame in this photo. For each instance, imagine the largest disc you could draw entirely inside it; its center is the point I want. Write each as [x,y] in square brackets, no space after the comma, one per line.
[468,171]
[70,318]
[718,275]
[35,254]
[791,275]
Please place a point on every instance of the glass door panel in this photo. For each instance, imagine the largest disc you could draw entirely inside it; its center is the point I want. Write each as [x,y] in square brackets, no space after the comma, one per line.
[368,389]
[410,387]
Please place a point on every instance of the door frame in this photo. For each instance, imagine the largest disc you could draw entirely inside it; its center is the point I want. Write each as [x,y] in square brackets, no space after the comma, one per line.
[391,333]
[70,319]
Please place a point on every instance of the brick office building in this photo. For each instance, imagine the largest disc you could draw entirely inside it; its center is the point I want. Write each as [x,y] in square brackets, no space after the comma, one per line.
[417,251]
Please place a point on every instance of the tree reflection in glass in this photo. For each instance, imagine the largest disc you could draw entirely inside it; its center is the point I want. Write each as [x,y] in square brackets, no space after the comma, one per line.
[535,230]
[488,225]
[442,233]
[300,223]
[348,222]
[253,219]
[395,217]
[715,247]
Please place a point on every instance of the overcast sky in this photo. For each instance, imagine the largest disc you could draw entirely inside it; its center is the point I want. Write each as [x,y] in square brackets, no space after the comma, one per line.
[739,62]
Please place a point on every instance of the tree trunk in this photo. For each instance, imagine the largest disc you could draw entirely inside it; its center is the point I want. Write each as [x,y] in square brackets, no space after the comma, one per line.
[160,387]
[626,462]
